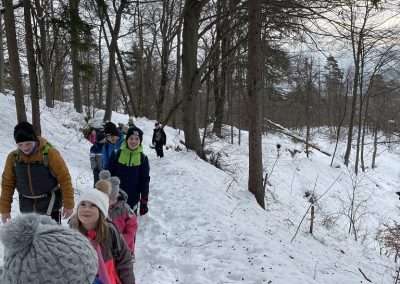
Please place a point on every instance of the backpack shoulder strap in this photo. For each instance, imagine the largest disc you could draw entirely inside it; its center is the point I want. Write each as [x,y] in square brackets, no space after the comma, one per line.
[45,153]
[16,157]
[117,154]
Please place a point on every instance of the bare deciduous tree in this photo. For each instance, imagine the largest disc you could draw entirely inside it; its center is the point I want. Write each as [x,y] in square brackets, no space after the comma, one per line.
[30,55]
[254,94]
[12,46]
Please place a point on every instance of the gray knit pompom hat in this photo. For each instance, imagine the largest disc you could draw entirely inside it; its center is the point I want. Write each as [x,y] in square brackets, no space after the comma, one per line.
[38,251]
[115,181]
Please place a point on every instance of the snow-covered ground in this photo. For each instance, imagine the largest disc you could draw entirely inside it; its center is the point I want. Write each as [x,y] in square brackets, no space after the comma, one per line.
[203,226]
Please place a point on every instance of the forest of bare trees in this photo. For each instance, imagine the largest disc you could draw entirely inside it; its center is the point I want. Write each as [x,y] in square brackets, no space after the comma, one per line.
[205,64]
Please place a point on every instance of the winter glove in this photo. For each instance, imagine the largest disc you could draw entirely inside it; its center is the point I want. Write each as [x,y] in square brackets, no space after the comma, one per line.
[143,207]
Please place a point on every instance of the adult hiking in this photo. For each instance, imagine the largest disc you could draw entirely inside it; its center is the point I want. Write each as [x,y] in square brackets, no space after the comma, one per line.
[131,165]
[159,139]
[114,139]
[40,175]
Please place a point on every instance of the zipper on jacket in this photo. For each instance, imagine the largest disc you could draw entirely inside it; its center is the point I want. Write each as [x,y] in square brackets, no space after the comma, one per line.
[130,158]
[30,186]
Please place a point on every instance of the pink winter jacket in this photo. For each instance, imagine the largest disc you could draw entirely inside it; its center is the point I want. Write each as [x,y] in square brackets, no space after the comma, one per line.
[125,219]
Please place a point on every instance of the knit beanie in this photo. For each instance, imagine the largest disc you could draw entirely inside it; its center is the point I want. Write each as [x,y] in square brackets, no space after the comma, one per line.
[111,129]
[100,136]
[98,196]
[134,131]
[23,132]
[115,181]
[37,250]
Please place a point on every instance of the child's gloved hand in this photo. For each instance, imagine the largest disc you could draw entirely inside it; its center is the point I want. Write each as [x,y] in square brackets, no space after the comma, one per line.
[143,207]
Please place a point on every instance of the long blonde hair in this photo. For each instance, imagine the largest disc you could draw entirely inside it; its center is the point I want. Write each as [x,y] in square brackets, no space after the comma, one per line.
[101,228]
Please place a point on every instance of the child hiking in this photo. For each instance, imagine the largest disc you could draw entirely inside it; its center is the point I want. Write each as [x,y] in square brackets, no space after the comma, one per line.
[131,166]
[114,140]
[119,212]
[114,259]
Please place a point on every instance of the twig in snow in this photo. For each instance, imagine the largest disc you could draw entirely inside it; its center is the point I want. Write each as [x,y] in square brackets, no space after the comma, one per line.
[363,274]
[300,223]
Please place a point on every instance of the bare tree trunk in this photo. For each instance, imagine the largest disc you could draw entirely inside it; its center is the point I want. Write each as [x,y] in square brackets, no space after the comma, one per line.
[74,14]
[357,45]
[129,104]
[373,165]
[229,87]
[30,55]
[100,77]
[240,79]
[15,68]
[340,123]
[364,130]
[45,60]
[309,89]
[254,93]
[141,65]
[218,76]
[167,35]
[56,64]
[360,113]
[178,69]
[190,74]
[206,120]
[113,47]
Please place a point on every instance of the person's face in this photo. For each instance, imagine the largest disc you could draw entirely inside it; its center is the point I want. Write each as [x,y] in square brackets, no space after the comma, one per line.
[26,147]
[112,139]
[133,142]
[88,214]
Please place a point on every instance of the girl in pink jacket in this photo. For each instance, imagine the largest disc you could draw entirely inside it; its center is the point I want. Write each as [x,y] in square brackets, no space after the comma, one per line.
[120,213]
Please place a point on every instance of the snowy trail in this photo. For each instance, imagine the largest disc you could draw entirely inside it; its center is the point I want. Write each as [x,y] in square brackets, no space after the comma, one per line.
[201,228]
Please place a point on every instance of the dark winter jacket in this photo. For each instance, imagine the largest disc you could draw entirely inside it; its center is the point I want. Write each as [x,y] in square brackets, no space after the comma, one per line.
[109,148]
[96,156]
[132,168]
[159,137]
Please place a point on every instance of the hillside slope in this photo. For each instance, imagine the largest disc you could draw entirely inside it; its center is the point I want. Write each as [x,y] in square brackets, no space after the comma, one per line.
[203,226]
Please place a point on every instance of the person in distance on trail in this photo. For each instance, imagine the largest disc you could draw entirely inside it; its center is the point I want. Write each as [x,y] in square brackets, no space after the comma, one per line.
[131,121]
[40,175]
[159,139]
[92,136]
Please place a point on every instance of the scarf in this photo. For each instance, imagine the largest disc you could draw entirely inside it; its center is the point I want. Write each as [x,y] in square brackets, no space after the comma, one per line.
[101,271]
